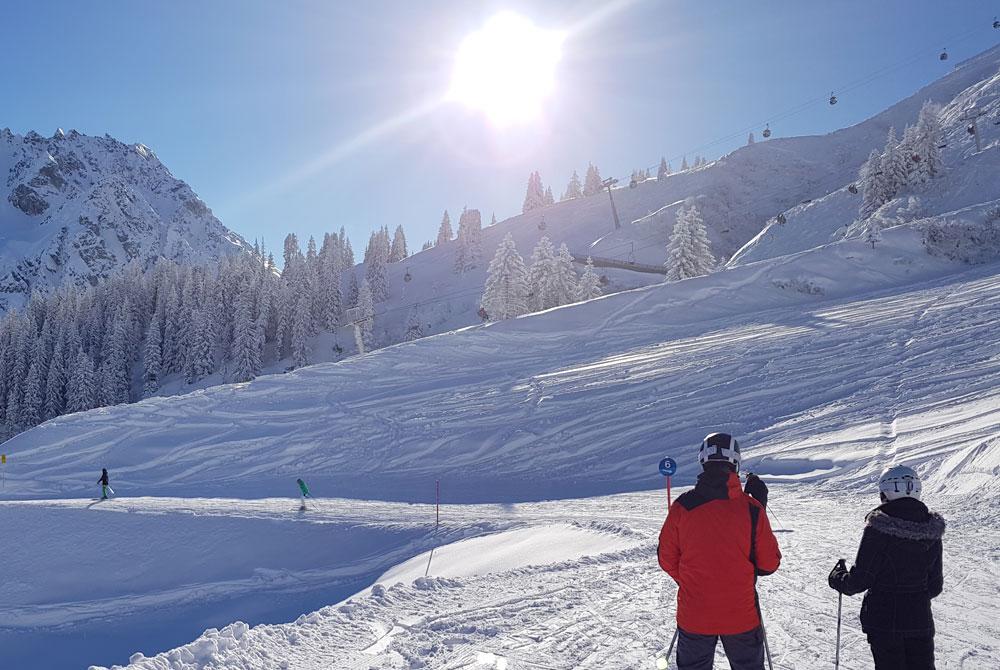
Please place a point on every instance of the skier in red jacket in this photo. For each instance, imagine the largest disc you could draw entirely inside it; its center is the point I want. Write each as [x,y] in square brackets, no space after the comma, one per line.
[715,542]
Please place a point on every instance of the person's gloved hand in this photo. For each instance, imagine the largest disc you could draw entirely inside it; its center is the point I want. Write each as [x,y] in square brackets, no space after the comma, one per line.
[837,575]
[756,488]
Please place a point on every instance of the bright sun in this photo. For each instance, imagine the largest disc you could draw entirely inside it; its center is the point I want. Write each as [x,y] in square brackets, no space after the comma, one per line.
[507,69]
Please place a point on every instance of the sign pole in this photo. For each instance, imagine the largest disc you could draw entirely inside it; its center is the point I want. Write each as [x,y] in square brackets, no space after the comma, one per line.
[668,467]
[437,504]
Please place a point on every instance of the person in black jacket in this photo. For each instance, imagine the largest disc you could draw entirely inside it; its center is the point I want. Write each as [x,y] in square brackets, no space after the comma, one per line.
[899,565]
[103,481]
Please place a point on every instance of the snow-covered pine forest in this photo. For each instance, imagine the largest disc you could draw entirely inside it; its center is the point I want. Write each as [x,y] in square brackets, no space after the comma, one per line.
[179,326]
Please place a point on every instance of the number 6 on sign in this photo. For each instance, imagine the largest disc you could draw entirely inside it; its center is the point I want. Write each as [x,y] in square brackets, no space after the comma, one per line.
[668,467]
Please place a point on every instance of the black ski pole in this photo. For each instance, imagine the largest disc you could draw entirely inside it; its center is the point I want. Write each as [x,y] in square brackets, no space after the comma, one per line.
[663,662]
[840,608]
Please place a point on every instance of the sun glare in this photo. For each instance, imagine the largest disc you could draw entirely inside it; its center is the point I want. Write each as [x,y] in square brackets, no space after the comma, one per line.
[507,69]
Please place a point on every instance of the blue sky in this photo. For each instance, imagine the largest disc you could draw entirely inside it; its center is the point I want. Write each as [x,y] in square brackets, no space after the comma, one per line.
[237,98]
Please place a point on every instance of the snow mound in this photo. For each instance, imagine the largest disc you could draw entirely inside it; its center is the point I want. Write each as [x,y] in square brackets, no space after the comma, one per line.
[501,552]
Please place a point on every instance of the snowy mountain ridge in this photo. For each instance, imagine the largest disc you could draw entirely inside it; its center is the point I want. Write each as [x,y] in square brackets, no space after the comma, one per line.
[76,208]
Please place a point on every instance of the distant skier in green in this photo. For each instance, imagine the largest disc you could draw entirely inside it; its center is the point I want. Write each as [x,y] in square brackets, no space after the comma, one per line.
[103,481]
[304,490]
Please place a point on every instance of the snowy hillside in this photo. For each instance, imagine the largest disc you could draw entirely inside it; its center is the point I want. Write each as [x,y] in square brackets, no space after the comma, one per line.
[738,194]
[581,400]
[75,208]
[971,91]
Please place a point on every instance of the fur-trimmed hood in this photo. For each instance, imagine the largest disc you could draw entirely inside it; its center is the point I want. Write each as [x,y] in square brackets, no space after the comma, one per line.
[931,529]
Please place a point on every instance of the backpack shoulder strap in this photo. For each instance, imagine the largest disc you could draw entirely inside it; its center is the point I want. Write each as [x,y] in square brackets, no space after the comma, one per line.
[754,518]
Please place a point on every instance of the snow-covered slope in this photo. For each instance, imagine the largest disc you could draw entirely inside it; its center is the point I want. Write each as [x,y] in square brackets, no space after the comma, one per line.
[969,178]
[739,195]
[609,609]
[78,208]
[584,399]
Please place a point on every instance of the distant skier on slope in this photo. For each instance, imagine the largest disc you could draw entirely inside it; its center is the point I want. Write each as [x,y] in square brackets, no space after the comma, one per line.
[103,481]
[304,491]
[715,542]
[899,564]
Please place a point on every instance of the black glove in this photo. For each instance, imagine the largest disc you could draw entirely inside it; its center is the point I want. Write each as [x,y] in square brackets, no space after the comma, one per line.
[756,488]
[837,575]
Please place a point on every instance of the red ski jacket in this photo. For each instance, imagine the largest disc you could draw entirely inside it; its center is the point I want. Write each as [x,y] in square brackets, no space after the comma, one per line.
[705,547]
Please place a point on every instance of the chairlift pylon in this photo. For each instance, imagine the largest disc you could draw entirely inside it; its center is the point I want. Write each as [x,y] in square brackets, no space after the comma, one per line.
[767,130]
[833,98]
[944,55]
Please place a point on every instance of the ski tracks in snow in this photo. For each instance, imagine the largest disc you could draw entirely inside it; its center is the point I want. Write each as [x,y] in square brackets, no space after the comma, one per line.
[616,609]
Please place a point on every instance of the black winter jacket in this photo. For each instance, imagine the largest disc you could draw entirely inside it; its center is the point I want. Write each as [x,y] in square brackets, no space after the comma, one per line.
[899,564]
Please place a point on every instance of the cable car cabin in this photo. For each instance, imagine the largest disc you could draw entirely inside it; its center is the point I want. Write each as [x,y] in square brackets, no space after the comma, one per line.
[767,131]
[971,129]
[780,219]
[996,24]
[833,98]
[944,55]
[407,277]
[604,281]
[541,225]
[633,183]
[916,158]
[853,189]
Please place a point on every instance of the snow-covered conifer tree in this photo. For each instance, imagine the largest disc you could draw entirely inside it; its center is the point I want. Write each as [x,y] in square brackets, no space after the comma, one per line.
[541,275]
[689,251]
[444,230]
[115,378]
[926,140]
[32,403]
[366,304]
[549,199]
[876,189]
[375,271]
[534,196]
[353,289]
[152,358]
[573,189]
[198,363]
[300,332]
[398,251]
[469,250]
[506,292]
[664,170]
[589,286]
[81,390]
[247,341]
[684,164]
[414,329]
[592,180]
[564,281]
[55,382]
[750,138]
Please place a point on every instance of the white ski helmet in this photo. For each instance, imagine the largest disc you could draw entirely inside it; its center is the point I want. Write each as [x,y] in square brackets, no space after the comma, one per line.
[720,447]
[899,481]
